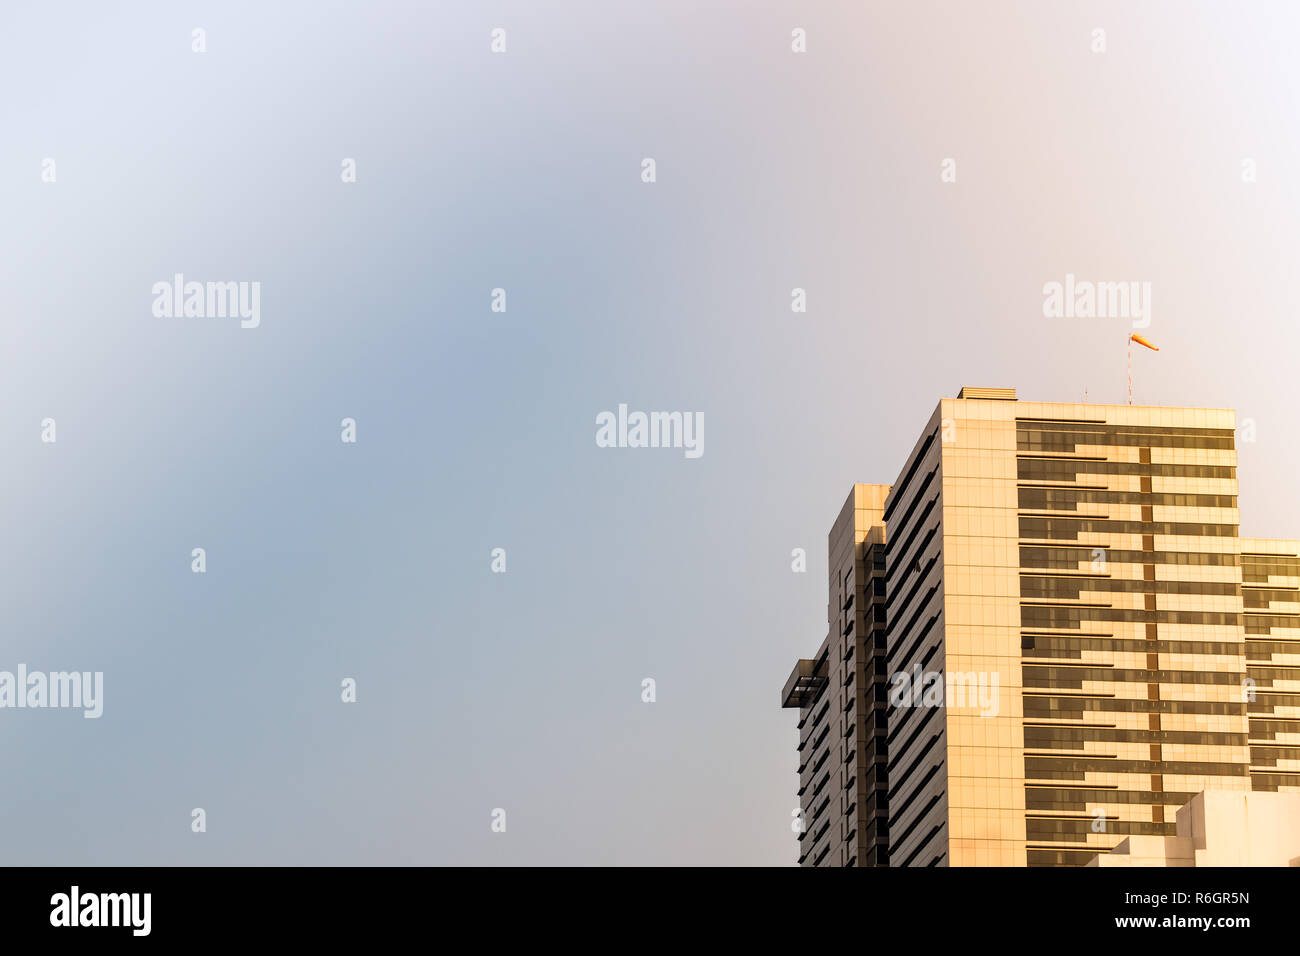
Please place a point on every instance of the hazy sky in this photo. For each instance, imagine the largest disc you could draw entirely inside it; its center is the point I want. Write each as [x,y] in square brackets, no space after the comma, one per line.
[476,429]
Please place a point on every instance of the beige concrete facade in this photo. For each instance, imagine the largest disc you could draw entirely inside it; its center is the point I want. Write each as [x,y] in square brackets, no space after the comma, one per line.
[1220,828]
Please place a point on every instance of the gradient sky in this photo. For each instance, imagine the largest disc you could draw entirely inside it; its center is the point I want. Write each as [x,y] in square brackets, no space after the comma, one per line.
[476,430]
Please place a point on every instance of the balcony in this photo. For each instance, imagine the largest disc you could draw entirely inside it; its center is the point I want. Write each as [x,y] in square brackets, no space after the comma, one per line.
[804,684]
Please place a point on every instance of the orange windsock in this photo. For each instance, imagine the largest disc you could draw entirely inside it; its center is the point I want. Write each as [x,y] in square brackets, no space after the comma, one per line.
[1141,341]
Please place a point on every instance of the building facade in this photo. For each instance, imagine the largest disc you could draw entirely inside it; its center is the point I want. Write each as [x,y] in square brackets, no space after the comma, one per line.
[1075,640]
[1270,589]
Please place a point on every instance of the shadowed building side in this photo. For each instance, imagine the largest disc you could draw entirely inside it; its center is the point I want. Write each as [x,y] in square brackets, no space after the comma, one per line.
[840,695]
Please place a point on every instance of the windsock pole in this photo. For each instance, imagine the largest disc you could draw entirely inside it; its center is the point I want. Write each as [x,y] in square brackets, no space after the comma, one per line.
[1134,337]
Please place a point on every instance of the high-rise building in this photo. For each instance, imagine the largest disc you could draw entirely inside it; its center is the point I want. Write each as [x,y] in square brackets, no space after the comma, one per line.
[1074,642]
[1270,592]
[841,693]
